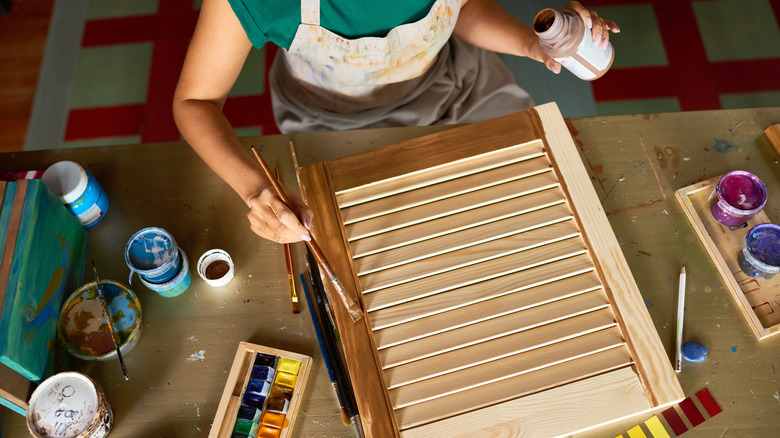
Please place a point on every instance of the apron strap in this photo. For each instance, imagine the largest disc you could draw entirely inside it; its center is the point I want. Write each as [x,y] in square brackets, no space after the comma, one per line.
[310,12]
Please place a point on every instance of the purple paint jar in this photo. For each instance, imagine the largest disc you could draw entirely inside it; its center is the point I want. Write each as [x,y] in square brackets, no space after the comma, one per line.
[760,256]
[737,197]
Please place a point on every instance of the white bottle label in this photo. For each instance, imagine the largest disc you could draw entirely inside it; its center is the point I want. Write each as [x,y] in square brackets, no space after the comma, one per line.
[589,52]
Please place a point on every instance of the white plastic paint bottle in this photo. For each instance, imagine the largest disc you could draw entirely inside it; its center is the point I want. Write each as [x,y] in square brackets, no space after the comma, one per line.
[564,37]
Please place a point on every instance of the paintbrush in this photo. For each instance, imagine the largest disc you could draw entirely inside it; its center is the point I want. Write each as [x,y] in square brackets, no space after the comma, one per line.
[290,277]
[114,336]
[680,312]
[352,307]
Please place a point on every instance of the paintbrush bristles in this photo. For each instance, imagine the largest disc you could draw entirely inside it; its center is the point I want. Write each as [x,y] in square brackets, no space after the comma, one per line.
[355,312]
[114,337]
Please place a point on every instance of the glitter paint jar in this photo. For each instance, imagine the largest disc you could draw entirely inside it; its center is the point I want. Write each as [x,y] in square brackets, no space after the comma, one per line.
[760,256]
[737,197]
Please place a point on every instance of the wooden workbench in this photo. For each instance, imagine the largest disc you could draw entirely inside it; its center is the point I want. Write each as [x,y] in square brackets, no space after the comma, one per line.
[635,162]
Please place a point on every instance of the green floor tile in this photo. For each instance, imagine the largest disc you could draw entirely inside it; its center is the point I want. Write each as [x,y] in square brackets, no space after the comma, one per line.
[112,75]
[639,41]
[738,29]
[642,106]
[104,142]
[250,80]
[249,132]
[120,8]
[750,100]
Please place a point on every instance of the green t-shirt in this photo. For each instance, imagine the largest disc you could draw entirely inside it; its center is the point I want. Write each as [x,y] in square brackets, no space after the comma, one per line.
[278,20]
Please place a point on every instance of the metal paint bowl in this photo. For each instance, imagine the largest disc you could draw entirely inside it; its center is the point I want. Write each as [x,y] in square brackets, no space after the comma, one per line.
[83,330]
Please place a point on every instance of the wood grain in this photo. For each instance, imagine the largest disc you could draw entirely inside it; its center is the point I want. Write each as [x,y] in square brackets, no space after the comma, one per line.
[438,174]
[462,336]
[773,134]
[444,190]
[517,386]
[587,401]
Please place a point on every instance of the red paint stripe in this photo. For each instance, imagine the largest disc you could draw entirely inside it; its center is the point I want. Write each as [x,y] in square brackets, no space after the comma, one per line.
[675,422]
[105,122]
[142,28]
[635,83]
[692,412]
[709,403]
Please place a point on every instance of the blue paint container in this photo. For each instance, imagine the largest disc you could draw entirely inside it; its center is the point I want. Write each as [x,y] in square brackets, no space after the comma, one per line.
[152,253]
[760,255]
[78,190]
[175,286]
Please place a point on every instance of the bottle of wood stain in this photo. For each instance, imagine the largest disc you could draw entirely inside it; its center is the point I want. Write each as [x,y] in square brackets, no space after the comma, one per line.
[564,36]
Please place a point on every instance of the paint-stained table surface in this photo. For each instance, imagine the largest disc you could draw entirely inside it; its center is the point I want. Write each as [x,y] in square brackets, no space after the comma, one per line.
[180,365]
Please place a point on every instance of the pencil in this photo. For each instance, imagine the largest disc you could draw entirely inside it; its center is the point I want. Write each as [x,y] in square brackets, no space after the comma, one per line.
[290,277]
[680,313]
[353,309]
[114,337]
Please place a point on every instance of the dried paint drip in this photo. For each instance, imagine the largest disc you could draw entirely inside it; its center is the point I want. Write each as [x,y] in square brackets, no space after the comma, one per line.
[737,197]
[83,330]
[760,256]
[216,267]
[69,405]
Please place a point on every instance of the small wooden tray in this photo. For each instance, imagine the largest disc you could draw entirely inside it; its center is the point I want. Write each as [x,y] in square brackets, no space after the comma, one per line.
[225,418]
[758,299]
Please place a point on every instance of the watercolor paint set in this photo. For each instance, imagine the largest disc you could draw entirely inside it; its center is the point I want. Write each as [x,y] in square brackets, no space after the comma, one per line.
[262,394]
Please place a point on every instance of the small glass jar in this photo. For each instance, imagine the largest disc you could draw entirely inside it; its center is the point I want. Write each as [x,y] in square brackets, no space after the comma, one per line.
[760,256]
[737,197]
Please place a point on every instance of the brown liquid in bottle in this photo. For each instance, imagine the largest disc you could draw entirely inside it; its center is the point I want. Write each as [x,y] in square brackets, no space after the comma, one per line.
[563,36]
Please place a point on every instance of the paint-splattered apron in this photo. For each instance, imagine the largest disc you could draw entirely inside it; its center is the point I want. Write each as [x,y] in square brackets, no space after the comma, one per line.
[416,75]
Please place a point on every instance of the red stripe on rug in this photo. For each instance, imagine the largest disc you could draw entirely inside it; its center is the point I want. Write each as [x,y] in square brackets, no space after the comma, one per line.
[167,60]
[104,122]
[635,83]
[748,76]
[142,28]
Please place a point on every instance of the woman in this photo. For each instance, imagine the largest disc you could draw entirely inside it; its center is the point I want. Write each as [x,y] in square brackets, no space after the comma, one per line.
[347,65]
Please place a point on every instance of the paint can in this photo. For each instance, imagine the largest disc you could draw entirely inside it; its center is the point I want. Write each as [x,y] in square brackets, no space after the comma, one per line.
[176,285]
[84,331]
[215,267]
[152,253]
[760,256]
[70,405]
[737,197]
[78,190]
[564,37]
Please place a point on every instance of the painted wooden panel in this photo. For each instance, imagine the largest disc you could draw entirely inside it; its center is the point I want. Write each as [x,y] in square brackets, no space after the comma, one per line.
[45,265]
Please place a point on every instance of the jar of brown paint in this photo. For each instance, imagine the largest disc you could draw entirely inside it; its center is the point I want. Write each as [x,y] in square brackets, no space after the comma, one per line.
[564,37]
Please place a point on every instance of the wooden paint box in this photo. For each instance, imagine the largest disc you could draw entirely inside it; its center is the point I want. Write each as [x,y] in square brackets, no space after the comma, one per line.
[758,300]
[262,394]
[497,300]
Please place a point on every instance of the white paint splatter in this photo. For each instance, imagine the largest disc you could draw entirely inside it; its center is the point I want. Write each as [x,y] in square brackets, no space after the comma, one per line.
[200,355]
[192,339]
[776,396]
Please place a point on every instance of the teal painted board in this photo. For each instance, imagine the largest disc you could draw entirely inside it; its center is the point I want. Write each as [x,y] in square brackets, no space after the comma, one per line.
[47,263]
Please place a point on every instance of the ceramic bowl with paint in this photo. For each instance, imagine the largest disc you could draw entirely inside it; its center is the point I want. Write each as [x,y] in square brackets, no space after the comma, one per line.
[760,256]
[78,190]
[71,405]
[176,285]
[83,330]
[737,197]
[215,267]
[152,253]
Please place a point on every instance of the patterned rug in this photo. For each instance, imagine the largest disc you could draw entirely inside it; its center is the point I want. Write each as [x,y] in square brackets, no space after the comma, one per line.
[672,55]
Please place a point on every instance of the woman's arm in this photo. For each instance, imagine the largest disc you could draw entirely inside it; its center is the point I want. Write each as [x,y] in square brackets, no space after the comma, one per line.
[216,54]
[485,24]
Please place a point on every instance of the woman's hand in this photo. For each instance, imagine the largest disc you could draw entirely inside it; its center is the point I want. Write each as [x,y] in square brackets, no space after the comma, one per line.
[600,29]
[270,218]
